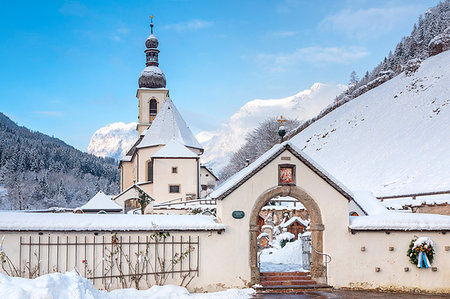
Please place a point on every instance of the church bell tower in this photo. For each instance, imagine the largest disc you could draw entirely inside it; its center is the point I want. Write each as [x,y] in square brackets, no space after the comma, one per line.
[152,90]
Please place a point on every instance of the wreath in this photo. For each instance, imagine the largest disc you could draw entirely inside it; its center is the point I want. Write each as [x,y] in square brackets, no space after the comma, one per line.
[421,252]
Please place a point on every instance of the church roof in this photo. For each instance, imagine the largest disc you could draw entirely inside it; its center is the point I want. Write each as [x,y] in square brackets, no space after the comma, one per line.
[174,149]
[101,201]
[169,125]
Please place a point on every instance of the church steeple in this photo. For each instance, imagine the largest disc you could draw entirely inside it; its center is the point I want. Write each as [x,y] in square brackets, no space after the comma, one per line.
[152,76]
[152,90]
[152,44]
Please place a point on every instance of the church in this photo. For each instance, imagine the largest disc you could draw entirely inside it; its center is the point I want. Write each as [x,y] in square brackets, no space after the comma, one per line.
[164,163]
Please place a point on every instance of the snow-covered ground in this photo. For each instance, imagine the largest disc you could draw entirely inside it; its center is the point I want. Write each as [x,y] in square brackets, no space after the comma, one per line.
[286,259]
[220,144]
[113,140]
[72,285]
[394,139]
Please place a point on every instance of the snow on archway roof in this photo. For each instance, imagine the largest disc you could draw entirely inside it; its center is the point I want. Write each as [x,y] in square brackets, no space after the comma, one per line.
[169,125]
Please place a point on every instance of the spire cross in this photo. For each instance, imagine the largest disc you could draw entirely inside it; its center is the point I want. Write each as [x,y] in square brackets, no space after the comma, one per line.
[281,120]
[151,24]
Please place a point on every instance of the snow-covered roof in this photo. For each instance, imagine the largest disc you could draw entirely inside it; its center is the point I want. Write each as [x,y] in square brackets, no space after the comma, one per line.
[411,201]
[174,149]
[391,220]
[295,219]
[13,221]
[167,125]
[246,173]
[126,158]
[368,203]
[210,171]
[101,201]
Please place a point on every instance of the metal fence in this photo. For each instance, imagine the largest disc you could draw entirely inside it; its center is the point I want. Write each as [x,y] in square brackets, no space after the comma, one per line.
[306,252]
[103,259]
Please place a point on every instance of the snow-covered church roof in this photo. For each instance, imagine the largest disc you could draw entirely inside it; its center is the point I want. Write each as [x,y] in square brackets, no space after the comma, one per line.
[101,201]
[169,125]
[174,149]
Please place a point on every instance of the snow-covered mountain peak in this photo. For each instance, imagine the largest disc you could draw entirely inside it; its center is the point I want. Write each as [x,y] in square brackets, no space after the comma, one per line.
[219,145]
[113,140]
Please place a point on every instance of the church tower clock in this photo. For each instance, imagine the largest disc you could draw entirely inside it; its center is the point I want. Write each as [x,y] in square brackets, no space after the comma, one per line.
[152,90]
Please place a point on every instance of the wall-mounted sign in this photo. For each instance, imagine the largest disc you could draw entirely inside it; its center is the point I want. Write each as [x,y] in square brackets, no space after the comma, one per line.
[238,214]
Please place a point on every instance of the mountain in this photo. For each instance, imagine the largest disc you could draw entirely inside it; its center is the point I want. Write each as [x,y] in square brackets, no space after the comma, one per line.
[38,171]
[220,145]
[393,139]
[113,140]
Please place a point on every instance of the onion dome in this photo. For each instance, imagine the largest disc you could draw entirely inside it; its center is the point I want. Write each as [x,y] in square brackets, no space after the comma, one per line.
[151,42]
[152,76]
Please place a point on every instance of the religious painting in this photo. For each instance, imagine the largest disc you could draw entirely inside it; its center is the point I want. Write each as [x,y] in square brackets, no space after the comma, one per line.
[286,174]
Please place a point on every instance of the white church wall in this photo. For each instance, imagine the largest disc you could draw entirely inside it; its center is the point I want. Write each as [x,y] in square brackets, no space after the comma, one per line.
[186,178]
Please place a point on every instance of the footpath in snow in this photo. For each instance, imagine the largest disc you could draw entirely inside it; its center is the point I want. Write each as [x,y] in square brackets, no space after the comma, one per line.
[72,285]
[286,259]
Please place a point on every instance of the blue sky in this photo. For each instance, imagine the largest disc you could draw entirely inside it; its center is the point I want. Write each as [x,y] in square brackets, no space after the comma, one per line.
[68,68]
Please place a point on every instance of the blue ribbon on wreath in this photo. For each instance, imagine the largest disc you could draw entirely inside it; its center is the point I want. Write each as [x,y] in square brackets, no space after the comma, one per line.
[422,261]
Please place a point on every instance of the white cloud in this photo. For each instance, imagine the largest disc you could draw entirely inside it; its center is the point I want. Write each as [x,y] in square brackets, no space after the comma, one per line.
[281,33]
[189,25]
[369,23]
[48,113]
[316,55]
[119,34]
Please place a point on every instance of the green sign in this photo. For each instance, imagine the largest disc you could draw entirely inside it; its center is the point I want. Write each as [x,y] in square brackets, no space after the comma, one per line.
[238,214]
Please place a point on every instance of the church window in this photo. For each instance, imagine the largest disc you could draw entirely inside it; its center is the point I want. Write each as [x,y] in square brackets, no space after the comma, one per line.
[174,169]
[153,107]
[204,187]
[174,188]
[150,171]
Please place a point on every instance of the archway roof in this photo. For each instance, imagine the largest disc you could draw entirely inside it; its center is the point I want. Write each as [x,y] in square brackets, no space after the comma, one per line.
[246,173]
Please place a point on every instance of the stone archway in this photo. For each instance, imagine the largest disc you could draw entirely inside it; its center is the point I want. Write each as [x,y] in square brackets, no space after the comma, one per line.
[318,271]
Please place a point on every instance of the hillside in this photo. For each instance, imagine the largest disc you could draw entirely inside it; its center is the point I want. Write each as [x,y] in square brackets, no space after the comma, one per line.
[394,139]
[220,145]
[39,171]
[113,140]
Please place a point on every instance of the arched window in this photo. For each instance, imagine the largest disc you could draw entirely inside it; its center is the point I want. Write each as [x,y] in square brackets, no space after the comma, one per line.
[150,171]
[153,108]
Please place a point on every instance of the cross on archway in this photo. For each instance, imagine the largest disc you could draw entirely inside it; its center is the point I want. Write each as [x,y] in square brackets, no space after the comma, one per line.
[281,120]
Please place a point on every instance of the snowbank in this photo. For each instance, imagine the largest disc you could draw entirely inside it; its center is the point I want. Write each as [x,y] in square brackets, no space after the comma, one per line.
[72,285]
[289,254]
[18,221]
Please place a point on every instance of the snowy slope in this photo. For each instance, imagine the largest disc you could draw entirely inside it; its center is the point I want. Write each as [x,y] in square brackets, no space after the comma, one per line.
[113,140]
[230,137]
[394,139]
